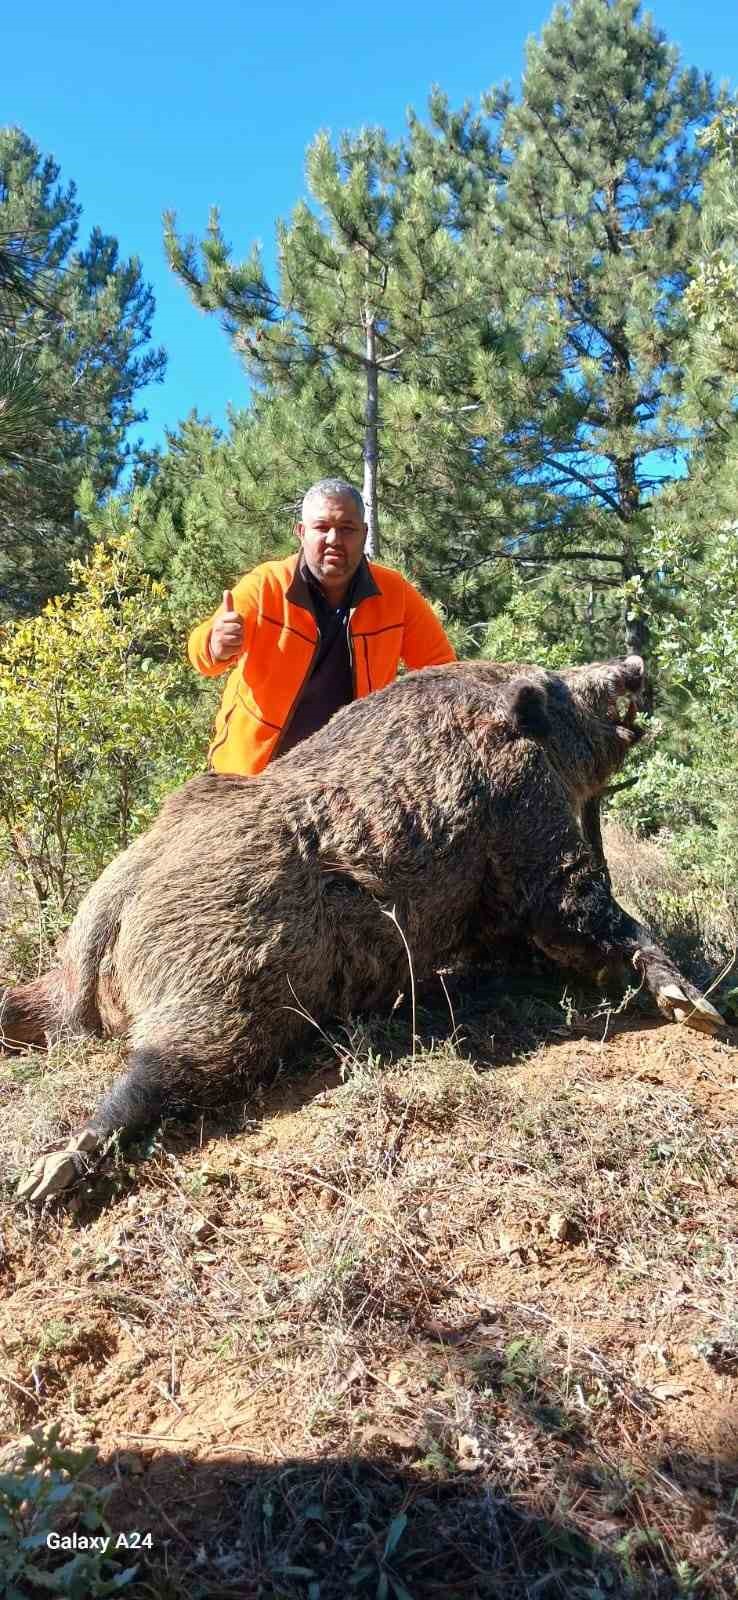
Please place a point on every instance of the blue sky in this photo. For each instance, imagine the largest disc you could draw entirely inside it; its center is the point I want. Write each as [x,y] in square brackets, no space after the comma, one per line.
[162,105]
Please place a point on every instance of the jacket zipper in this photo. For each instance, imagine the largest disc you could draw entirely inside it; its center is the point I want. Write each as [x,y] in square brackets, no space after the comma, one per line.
[293,707]
[352,658]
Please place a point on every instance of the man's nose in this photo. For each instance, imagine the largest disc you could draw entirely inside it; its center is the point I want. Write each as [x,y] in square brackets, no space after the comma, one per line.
[332,535]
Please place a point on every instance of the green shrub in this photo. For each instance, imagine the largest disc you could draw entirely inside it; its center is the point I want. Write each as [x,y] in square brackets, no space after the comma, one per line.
[99,716]
[48,1497]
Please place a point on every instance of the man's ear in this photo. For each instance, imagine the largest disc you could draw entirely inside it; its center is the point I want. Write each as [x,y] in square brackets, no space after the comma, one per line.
[298,529]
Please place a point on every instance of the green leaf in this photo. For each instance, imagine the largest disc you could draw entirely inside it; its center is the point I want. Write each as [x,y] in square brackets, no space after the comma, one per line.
[401,1593]
[123,1578]
[394,1533]
[360,1576]
[60,1492]
[50,1581]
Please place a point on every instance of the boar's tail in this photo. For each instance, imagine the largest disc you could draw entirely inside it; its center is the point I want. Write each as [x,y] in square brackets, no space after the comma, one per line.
[523,708]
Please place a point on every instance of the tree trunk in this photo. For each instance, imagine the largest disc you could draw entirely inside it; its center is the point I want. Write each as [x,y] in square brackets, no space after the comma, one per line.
[371,439]
[636,634]
[635,624]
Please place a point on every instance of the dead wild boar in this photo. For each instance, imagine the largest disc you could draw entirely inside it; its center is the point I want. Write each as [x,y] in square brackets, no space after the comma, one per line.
[464,796]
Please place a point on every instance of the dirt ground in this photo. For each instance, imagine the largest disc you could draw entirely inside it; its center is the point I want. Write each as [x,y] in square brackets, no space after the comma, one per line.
[457,1324]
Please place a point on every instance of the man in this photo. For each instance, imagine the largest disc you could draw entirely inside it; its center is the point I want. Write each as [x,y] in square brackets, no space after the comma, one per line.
[304,636]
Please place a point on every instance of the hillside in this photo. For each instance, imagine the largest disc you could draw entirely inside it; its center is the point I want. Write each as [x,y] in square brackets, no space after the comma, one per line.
[458,1325]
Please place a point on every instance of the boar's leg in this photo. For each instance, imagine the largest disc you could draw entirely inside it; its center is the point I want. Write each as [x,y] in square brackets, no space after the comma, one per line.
[592,830]
[577,922]
[31,1011]
[57,1169]
[154,1081]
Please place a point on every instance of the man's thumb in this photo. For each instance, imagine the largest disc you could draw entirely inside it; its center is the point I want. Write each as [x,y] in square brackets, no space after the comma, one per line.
[228,601]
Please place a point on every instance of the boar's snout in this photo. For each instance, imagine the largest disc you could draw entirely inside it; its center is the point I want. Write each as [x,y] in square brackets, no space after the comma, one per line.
[629,684]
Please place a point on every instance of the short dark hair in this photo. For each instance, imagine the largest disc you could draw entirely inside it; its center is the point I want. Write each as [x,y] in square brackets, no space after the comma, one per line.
[334,488]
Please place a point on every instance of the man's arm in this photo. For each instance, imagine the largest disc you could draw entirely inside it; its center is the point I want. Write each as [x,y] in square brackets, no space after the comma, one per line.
[424,642]
[246,605]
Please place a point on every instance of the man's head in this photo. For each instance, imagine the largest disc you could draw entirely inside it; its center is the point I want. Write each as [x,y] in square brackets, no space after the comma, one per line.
[333,534]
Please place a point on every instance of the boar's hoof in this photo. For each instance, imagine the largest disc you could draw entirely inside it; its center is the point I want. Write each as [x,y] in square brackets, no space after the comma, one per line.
[52,1173]
[697,1013]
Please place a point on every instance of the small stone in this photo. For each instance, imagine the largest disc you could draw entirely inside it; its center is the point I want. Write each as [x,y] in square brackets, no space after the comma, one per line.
[274,1222]
[201,1230]
[560,1227]
[513,1246]
[468,1453]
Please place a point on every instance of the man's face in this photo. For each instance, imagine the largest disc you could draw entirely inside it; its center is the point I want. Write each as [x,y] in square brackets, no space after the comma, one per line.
[333,536]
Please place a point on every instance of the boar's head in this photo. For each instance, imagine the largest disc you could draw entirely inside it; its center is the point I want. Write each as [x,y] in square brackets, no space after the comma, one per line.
[593,709]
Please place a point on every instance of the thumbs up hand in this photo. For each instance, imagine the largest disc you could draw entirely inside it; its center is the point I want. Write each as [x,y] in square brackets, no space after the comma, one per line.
[227,632]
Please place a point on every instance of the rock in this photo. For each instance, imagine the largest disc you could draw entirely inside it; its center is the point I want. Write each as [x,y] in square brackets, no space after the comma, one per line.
[201,1230]
[468,1453]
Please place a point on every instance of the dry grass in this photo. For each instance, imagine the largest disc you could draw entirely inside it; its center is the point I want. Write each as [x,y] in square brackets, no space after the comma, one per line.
[698,925]
[458,1326]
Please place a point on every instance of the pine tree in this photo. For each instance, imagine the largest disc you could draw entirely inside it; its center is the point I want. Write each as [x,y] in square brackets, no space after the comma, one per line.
[591,242]
[77,325]
[521,274]
[201,520]
[361,358]
[21,396]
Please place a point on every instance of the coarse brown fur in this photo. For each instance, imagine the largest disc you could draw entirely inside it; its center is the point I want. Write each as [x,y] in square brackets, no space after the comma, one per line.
[458,798]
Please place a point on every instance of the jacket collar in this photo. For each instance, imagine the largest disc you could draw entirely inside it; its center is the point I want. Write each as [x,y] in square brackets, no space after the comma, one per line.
[363,585]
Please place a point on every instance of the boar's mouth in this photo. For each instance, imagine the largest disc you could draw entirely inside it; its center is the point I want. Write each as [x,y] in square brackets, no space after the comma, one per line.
[612,690]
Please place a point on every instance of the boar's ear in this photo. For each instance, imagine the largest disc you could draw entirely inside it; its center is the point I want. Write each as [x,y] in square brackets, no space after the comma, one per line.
[523,708]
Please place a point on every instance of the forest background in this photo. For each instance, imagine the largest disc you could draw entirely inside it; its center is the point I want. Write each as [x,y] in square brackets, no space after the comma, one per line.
[515,325]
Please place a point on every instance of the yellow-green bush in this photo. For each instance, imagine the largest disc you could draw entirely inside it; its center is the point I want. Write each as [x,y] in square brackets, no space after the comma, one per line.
[99,716]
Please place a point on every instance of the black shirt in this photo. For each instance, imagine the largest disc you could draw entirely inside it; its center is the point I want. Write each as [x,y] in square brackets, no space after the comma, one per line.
[330,684]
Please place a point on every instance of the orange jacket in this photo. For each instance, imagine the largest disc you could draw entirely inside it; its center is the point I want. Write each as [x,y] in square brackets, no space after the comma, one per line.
[389,621]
